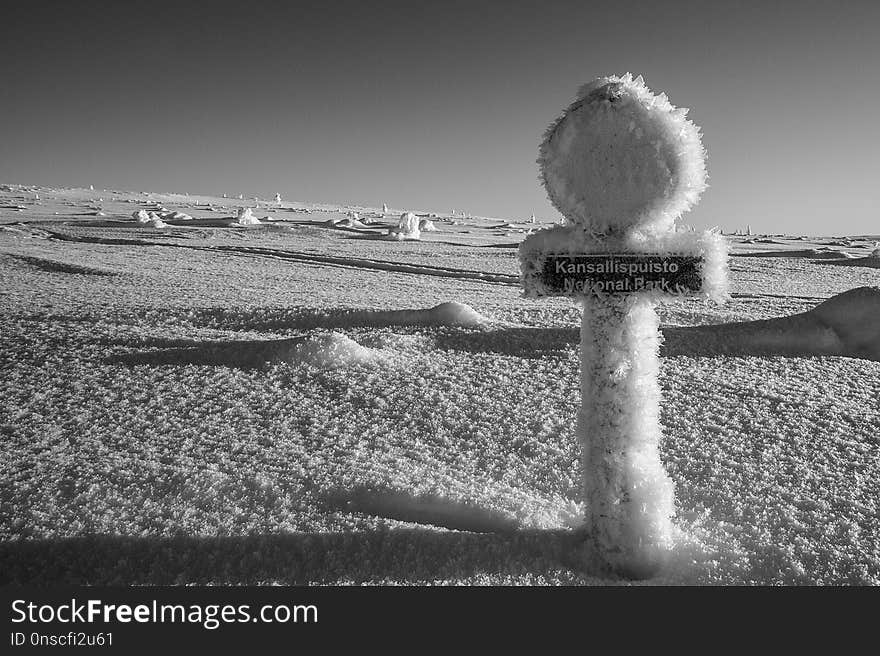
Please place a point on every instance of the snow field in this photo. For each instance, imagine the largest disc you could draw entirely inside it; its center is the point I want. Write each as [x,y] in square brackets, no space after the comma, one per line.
[146,437]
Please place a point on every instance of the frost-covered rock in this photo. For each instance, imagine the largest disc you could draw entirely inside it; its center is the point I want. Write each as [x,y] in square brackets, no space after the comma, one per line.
[141,216]
[426,225]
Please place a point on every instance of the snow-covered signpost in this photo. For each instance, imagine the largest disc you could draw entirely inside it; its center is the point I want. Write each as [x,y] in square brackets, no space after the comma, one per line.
[621,165]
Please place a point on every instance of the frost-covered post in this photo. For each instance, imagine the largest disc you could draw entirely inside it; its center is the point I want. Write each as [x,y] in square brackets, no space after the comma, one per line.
[621,165]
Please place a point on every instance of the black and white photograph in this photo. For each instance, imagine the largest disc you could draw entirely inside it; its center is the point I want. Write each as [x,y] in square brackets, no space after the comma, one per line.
[461,293]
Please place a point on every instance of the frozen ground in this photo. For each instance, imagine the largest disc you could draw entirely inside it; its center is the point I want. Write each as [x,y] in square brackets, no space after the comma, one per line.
[214,402]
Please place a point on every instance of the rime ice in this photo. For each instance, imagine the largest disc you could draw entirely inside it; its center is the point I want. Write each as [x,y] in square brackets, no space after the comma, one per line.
[621,165]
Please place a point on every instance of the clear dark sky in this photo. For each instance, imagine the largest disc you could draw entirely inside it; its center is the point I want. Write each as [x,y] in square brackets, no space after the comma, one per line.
[439,105]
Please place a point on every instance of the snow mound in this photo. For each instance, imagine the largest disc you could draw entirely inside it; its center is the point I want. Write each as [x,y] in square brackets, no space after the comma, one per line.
[453,314]
[407,228]
[141,216]
[871,261]
[246,217]
[426,225]
[328,350]
[347,222]
[812,253]
[845,325]
[450,313]
[854,316]
[822,254]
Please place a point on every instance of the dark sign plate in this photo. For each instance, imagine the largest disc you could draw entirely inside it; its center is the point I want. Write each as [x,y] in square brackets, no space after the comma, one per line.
[626,273]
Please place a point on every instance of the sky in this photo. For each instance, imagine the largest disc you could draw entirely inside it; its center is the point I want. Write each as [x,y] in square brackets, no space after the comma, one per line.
[439,105]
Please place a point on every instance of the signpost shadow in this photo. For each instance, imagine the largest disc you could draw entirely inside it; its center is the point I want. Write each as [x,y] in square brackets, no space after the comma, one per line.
[404,554]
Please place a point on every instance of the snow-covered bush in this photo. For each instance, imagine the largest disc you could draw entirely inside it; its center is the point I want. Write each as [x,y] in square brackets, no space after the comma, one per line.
[407,227]
[246,217]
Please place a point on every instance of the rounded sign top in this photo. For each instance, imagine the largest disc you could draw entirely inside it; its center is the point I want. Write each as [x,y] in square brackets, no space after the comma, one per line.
[621,158]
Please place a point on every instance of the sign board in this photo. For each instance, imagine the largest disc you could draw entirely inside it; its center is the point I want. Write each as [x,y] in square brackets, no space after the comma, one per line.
[618,273]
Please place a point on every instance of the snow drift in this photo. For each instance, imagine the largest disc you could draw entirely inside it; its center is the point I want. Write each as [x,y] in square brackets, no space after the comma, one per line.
[845,325]
[450,313]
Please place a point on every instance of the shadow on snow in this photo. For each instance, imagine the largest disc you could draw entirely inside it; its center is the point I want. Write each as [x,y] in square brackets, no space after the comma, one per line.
[293,558]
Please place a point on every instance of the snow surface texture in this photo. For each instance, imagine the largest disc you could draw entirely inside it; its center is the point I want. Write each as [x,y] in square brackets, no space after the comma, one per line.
[137,446]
